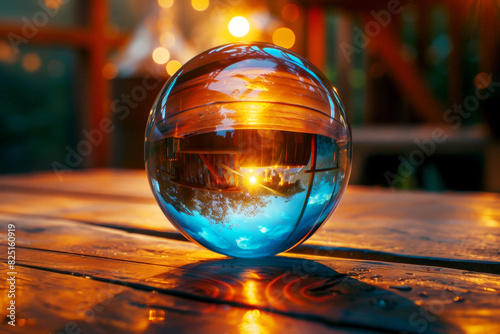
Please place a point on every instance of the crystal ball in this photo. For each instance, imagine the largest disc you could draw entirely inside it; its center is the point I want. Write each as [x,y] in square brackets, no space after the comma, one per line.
[248,149]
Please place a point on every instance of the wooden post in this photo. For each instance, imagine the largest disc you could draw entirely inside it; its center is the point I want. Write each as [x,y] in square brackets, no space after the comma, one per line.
[99,96]
[316,36]
[456,30]
[487,32]
[408,77]
[422,38]
[344,59]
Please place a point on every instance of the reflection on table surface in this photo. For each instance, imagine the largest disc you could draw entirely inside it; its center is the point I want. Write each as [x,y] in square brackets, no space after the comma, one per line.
[94,254]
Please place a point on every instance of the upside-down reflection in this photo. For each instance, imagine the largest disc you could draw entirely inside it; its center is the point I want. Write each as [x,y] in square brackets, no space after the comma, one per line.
[247,193]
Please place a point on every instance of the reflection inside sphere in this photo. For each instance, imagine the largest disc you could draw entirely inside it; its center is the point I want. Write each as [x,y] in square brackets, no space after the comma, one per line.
[246,189]
[248,150]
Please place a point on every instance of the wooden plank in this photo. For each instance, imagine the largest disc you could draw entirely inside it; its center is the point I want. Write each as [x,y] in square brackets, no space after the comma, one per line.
[94,182]
[354,296]
[415,225]
[99,210]
[453,226]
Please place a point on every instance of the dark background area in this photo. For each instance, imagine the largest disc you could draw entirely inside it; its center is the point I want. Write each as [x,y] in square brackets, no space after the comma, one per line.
[67,65]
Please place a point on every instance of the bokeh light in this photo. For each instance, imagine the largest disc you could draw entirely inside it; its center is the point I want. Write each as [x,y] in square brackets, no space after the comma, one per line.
[482,80]
[164,23]
[161,55]
[357,78]
[284,37]
[167,39]
[109,71]
[165,3]
[53,4]
[290,12]
[173,66]
[31,62]
[200,5]
[239,26]
[7,54]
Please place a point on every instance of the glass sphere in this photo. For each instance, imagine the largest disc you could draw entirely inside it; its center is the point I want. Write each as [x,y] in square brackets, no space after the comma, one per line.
[248,149]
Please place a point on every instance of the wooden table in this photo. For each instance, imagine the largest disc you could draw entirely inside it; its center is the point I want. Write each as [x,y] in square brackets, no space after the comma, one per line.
[94,254]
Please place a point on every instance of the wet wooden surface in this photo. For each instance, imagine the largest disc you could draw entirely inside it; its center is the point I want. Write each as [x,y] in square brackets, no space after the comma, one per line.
[96,255]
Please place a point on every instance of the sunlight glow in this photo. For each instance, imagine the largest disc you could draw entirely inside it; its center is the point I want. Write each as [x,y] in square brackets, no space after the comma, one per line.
[239,26]
[252,323]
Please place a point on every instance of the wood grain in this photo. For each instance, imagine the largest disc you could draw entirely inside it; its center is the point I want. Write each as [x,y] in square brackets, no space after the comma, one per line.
[94,251]
[329,293]
[409,224]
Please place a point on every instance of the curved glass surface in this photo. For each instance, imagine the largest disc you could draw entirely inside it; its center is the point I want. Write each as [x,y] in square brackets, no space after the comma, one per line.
[248,149]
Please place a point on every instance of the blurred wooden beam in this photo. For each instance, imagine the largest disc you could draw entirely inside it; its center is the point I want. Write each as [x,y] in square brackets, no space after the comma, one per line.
[366,5]
[456,30]
[423,26]
[99,97]
[94,43]
[316,36]
[487,37]
[73,37]
[407,75]
[345,60]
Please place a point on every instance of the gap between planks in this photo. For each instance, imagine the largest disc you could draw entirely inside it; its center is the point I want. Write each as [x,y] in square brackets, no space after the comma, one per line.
[488,267]
[78,194]
[142,286]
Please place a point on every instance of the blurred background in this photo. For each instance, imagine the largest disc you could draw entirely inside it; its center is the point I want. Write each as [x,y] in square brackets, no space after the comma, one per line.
[420,79]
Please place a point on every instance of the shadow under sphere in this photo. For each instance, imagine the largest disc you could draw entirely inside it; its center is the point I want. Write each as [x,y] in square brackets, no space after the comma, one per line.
[301,289]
